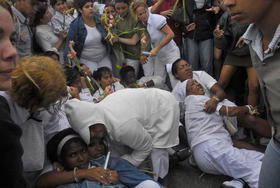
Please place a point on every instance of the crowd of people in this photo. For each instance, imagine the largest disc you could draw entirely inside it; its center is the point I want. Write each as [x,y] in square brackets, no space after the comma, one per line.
[94,92]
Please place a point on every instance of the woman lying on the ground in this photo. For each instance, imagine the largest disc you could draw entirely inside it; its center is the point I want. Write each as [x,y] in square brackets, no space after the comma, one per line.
[210,142]
[182,70]
[78,169]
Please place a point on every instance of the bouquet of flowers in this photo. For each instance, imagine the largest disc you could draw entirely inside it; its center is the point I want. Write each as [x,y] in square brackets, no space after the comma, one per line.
[64,16]
[72,57]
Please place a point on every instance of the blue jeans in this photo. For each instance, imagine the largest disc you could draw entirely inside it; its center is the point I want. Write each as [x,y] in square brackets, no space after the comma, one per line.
[128,174]
[270,171]
[200,52]
[90,184]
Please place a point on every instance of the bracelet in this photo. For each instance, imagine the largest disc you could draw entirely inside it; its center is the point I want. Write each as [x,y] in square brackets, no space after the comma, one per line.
[227,110]
[251,109]
[216,98]
[76,178]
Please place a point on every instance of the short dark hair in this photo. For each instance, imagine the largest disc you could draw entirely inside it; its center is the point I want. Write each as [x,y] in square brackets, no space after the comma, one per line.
[125,70]
[174,66]
[122,1]
[53,2]
[71,75]
[97,75]
[39,14]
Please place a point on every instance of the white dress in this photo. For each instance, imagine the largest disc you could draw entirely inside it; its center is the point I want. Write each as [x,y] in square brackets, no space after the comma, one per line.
[167,54]
[212,146]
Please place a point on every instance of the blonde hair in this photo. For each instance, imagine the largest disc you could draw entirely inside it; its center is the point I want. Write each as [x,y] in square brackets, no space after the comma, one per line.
[38,82]
[135,5]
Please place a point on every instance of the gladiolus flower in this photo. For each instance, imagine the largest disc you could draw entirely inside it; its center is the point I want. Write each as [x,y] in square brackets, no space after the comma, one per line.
[143,41]
[70,56]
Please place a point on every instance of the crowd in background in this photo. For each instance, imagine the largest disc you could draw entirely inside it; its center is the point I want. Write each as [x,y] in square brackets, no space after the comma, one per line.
[135,79]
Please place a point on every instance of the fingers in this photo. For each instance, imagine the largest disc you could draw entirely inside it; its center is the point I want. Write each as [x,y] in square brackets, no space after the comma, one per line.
[218,27]
[209,9]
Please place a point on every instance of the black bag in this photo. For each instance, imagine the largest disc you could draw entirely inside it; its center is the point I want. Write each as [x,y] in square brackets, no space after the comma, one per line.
[179,15]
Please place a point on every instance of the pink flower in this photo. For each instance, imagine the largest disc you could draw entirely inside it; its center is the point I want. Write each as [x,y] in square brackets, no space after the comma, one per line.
[70,56]
[110,25]
[73,52]
[143,41]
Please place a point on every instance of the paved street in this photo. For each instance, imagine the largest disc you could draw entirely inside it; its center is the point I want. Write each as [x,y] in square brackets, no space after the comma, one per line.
[185,176]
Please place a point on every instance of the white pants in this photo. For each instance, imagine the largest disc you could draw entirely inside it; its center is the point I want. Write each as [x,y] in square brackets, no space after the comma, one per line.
[220,157]
[155,66]
[105,62]
[148,184]
[160,162]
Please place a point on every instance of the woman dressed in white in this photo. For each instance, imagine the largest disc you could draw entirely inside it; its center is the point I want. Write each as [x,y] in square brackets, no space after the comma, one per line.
[164,49]
[145,120]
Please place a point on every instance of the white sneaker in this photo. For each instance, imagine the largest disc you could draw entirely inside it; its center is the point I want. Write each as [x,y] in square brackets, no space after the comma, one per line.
[236,183]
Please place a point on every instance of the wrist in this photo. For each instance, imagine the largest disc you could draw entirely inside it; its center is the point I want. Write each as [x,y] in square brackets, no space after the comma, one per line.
[216,99]
[81,174]
[75,175]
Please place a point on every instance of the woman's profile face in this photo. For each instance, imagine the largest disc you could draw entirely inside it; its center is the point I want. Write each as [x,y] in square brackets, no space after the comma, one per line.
[76,155]
[121,8]
[8,51]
